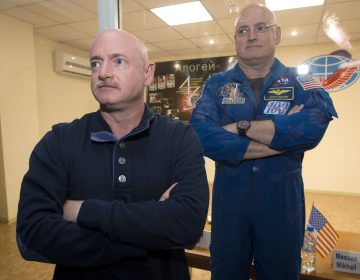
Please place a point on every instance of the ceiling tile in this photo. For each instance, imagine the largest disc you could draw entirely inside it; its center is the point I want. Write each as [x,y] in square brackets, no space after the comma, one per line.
[299,16]
[159,55]
[195,52]
[347,29]
[83,44]
[344,10]
[158,34]
[23,2]
[227,24]
[351,26]
[219,51]
[297,41]
[204,41]
[217,9]
[6,5]
[175,45]
[61,33]
[63,11]
[220,9]
[152,48]
[89,27]
[30,17]
[79,25]
[333,1]
[160,3]
[309,30]
[129,6]
[141,20]
[91,5]
[199,29]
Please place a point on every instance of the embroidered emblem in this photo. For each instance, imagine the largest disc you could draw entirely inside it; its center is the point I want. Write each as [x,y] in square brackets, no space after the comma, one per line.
[276,107]
[279,93]
[309,81]
[231,94]
[281,82]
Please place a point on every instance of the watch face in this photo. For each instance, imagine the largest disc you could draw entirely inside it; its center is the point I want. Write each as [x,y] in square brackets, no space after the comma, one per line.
[242,127]
[243,124]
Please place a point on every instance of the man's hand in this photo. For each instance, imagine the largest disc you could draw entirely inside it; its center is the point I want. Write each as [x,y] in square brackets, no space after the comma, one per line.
[71,210]
[166,194]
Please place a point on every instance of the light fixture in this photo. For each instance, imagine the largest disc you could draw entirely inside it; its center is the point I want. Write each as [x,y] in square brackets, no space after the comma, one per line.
[294,33]
[303,69]
[211,42]
[183,13]
[278,5]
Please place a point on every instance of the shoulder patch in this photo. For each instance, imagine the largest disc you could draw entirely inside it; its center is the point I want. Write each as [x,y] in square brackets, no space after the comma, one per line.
[309,82]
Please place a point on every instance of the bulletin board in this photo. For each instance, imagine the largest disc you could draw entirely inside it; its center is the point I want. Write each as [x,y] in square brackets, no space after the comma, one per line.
[177,85]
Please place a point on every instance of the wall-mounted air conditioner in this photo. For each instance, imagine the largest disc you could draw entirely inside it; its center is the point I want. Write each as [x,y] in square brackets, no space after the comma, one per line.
[72,64]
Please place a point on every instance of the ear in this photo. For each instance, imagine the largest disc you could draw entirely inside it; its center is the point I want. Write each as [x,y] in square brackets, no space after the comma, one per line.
[278,35]
[149,73]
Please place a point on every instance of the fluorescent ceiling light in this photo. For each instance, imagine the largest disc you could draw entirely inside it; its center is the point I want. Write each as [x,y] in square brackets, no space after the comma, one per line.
[183,13]
[303,69]
[278,5]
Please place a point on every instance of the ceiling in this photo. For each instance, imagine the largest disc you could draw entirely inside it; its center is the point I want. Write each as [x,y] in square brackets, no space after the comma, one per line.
[75,23]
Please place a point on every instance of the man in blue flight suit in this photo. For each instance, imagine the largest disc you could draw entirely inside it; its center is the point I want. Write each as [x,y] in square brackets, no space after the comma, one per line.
[256,121]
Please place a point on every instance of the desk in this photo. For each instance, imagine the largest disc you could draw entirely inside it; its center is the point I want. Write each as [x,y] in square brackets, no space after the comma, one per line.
[200,258]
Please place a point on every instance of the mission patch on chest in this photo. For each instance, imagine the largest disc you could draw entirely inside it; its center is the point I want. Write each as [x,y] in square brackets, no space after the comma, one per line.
[279,93]
[231,94]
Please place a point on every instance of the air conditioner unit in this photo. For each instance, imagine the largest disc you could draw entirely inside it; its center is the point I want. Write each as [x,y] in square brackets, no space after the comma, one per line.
[72,64]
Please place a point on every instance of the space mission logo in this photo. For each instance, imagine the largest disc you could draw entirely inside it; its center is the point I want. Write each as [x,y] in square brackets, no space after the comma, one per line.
[335,71]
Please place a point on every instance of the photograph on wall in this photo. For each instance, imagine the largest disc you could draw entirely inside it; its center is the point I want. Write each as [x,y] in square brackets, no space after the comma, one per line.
[155,98]
[153,85]
[161,82]
[170,80]
[177,84]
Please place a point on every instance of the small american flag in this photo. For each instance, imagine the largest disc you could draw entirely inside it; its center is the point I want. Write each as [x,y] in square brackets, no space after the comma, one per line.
[327,236]
[308,81]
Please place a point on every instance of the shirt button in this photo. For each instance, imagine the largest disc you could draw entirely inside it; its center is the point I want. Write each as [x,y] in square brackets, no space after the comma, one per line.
[122,145]
[255,168]
[122,160]
[122,179]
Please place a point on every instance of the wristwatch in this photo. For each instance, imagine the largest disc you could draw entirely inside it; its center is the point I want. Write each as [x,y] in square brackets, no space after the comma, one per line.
[242,127]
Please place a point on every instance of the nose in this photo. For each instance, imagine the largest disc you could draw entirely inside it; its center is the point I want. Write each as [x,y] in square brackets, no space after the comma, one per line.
[106,71]
[252,35]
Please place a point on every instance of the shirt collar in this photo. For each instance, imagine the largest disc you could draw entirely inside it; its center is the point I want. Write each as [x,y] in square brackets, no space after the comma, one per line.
[107,136]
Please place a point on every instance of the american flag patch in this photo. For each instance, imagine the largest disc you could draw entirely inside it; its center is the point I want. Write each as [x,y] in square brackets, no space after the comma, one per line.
[308,81]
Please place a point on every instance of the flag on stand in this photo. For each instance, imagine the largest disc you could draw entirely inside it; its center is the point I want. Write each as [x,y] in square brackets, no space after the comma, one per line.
[327,236]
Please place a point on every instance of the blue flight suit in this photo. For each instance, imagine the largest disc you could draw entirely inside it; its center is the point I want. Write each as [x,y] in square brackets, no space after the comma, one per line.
[258,207]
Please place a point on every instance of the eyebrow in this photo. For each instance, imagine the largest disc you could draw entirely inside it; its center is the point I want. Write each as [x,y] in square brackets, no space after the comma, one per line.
[113,55]
[246,25]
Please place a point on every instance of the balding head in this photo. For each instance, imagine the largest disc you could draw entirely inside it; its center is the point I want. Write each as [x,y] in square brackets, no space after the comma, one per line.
[119,70]
[117,36]
[255,11]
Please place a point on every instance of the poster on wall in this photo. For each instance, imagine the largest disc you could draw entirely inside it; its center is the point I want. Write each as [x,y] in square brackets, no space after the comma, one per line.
[177,84]
[336,71]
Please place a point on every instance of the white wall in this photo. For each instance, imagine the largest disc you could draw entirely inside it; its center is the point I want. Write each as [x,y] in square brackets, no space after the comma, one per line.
[61,97]
[18,109]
